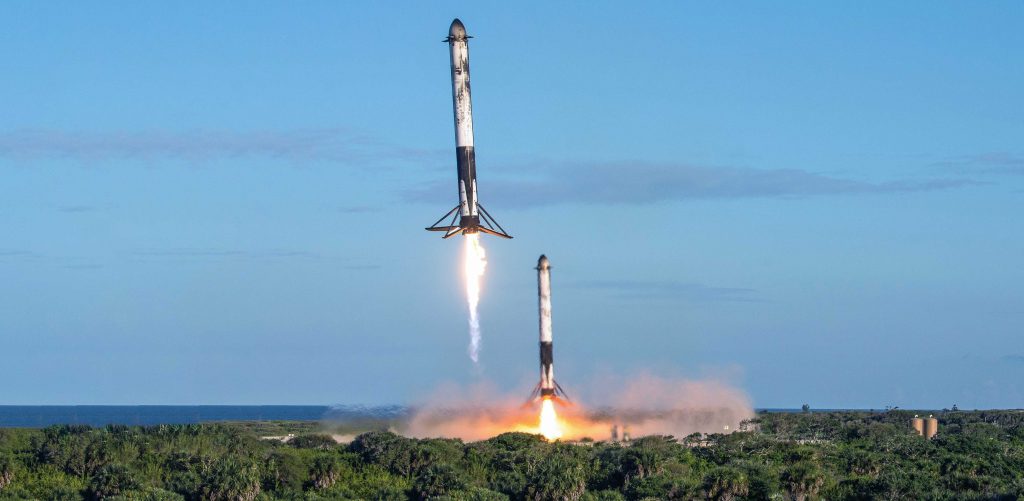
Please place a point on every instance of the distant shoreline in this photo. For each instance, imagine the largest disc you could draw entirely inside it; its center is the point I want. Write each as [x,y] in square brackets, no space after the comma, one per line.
[38,416]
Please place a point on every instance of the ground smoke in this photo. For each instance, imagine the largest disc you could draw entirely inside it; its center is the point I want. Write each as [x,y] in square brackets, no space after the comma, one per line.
[645,405]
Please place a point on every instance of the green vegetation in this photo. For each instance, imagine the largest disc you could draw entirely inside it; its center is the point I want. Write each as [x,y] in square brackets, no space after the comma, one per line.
[278,428]
[800,456]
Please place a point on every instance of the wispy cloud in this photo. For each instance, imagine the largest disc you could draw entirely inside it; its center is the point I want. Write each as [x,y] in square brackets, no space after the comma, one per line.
[83,267]
[1013,359]
[333,144]
[189,253]
[192,255]
[362,267]
[18,254]
[19,257]
[76,208]
[986,163]
[359,209]
[637,183]
[668,289]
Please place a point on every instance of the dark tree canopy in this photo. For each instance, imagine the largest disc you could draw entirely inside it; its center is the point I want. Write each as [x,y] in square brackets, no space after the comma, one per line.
[798,456]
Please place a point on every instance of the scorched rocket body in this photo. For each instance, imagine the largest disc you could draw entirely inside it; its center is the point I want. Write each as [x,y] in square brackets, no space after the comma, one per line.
[547,388]
[469,216]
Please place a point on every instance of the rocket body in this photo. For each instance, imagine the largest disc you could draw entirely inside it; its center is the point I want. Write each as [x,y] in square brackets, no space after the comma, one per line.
[547,357]
[547,388]
[462,102]
[469,216]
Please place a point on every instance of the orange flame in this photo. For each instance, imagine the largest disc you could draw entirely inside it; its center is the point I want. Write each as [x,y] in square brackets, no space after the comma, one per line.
[550,426]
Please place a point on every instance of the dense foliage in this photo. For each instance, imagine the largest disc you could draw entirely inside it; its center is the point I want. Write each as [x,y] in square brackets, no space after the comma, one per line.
[827,455]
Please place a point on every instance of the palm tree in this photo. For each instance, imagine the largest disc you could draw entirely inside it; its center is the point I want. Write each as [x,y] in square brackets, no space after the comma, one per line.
[325,472]
[802,480]
[231,479]
[112,479]
[725,484]
[6,471]
[559,476]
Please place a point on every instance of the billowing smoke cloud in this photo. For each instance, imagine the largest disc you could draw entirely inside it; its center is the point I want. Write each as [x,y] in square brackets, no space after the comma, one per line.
[474,413]
[652,405]
[644,405]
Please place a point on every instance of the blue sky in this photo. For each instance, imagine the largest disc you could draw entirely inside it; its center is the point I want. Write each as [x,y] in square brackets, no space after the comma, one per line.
[224,203]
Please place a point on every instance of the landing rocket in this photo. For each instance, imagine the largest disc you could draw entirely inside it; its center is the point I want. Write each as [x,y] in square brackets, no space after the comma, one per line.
[469,216]
[547,388]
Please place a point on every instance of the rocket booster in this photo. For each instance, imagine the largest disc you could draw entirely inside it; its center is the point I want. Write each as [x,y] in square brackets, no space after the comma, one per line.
[469,216]
[462,104]
[547,356]
[547,388]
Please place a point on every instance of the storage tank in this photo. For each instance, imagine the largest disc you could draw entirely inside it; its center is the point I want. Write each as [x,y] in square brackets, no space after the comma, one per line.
[931,427]
[918,424]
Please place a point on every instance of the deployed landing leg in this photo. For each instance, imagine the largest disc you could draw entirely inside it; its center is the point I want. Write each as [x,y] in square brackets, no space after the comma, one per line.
[488,226]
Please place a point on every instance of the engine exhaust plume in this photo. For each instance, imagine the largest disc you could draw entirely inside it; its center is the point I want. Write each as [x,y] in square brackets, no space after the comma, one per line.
[475,262]
[550,427]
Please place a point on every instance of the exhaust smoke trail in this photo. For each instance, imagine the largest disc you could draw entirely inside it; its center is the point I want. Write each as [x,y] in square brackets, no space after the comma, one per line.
[475,263]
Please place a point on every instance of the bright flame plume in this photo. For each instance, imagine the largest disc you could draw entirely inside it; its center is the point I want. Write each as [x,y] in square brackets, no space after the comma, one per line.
[475,263]
[550,427]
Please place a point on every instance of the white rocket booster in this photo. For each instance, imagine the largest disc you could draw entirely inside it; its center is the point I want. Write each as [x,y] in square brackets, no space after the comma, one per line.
[469,216]
[547,387]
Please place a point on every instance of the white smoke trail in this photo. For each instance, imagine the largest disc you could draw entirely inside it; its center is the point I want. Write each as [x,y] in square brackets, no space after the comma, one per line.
[475,263]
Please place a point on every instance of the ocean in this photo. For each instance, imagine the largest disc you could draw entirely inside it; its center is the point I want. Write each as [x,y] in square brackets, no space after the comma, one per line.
[39,416]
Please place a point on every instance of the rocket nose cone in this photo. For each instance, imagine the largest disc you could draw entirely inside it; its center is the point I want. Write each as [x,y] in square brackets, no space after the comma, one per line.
[457,30]
[542,263]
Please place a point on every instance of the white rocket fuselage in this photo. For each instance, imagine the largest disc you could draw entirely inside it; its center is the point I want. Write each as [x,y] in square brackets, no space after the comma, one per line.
[469,216]
[547,362]
[462,103]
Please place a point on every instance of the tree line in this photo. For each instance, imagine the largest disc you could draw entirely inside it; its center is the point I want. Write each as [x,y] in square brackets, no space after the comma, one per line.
[799,456]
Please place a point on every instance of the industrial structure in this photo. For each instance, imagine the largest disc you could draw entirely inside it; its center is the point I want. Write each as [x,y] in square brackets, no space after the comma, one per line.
[926,427]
